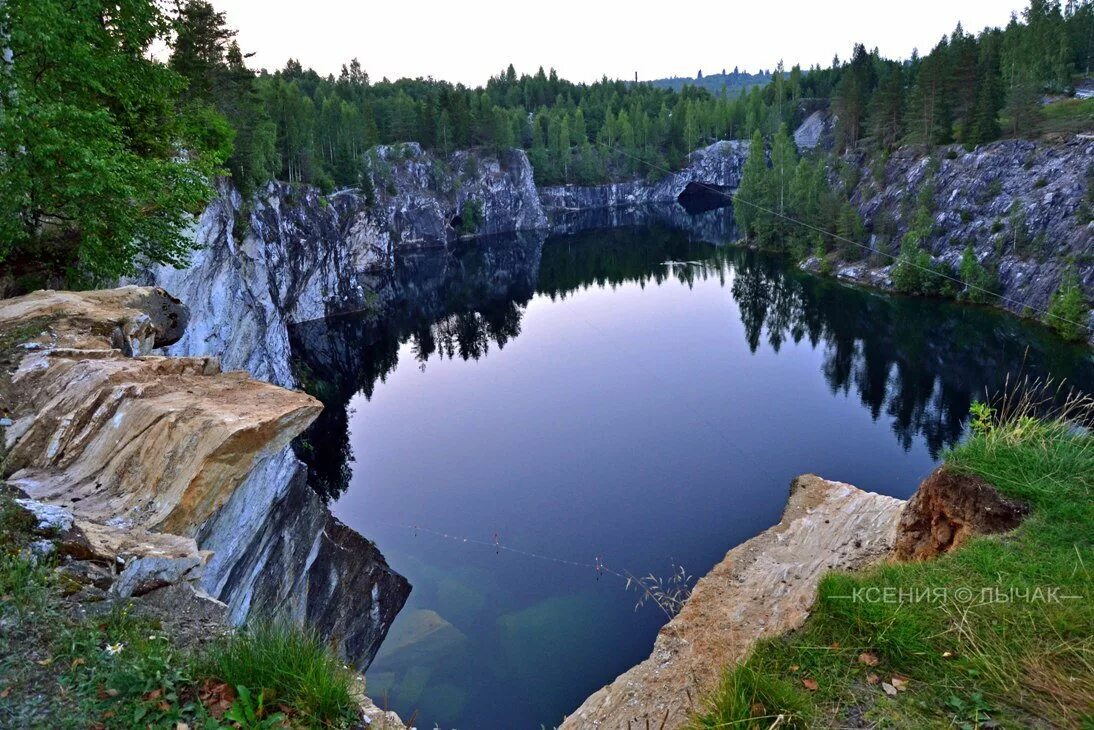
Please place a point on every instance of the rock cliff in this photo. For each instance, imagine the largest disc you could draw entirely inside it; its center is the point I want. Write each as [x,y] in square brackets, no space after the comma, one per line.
[1024,206]
[293,255]
[170,470]
[718,165]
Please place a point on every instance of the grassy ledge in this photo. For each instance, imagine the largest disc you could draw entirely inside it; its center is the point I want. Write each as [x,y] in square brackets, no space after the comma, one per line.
[70,665]
[999,633]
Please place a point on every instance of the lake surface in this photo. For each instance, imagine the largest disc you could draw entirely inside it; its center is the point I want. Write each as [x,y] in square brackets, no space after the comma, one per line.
[515,413]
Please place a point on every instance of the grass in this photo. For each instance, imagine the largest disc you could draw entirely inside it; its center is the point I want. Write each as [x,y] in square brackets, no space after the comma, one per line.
[1068,116]
[70,668]
[960,659]
[291,665]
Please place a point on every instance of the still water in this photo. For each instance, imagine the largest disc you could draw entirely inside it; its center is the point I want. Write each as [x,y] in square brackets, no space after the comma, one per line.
[634,396]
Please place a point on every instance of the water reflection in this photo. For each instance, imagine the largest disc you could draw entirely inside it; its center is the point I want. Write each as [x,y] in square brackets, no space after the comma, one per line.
[917,363]
[635,393]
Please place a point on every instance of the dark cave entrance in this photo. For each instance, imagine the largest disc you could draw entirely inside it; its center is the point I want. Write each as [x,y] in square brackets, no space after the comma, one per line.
[699,198]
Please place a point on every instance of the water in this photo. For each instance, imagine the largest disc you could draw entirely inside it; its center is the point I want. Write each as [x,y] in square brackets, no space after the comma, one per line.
[580,399]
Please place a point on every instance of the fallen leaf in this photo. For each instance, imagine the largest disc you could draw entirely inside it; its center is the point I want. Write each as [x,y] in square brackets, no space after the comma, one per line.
[834,645]
[901,683]
[111,692]
[154,694]
[889,689]
[217,697]
[794,667]
[78,661]
[108,714]
[5,692]
[757,709]
[181,726]
[868,659]
[947,654]
[44,662]
[872,679]
[810,684]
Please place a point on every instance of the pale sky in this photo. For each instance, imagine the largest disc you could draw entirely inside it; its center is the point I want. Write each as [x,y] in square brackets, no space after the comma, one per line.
[470,40]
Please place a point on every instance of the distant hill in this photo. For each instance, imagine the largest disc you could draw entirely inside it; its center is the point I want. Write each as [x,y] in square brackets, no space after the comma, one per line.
[733,82]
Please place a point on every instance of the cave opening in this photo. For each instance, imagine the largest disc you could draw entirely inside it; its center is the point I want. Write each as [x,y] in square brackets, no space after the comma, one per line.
[699,198]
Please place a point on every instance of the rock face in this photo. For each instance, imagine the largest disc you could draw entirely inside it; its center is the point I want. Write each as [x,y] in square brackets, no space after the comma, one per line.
[763,587]
[948,509]
[421,198]
[1021,204]
[295,255]
[159,460]
[717,166]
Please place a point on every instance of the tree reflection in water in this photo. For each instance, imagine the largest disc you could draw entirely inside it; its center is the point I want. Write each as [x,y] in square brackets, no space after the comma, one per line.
[918,363]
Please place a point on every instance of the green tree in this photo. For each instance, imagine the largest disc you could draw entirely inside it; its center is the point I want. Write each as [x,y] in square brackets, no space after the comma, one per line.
[980,283]
[751,190]
[91,171]
[1068,311]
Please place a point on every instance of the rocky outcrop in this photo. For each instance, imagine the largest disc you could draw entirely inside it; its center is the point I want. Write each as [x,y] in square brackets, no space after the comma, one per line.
[173,471]
[424,199]
[292,255]
[763,587]
[948,508]
[1022,205]
[718,166]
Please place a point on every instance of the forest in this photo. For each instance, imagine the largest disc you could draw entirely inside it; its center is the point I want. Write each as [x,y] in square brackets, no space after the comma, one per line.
[92,124]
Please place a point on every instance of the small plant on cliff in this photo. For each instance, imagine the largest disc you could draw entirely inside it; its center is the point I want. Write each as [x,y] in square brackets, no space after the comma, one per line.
[1068,311]
[669,594]
[470,217]
[980,283]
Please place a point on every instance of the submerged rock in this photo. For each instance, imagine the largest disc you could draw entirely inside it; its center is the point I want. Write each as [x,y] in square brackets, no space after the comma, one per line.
[763,587]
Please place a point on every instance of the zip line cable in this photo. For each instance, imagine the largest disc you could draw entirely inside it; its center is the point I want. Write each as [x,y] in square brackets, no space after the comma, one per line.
[735,196]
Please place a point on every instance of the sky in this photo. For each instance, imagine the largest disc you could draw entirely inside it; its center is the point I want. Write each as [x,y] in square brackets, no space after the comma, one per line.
[471,40]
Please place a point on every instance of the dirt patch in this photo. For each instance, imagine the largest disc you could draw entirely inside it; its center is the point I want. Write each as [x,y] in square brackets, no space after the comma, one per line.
[948,508]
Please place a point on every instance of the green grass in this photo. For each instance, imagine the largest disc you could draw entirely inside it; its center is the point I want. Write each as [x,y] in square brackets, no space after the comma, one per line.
[291,665]
[60,668]
[1068,116]
[966,660]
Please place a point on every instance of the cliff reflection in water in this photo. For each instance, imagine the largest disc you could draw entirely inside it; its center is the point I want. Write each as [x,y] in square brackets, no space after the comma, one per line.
[916,363]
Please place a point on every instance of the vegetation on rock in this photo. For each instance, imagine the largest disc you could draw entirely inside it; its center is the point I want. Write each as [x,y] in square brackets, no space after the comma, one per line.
[1068,311]
[72,664]
[996,633]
